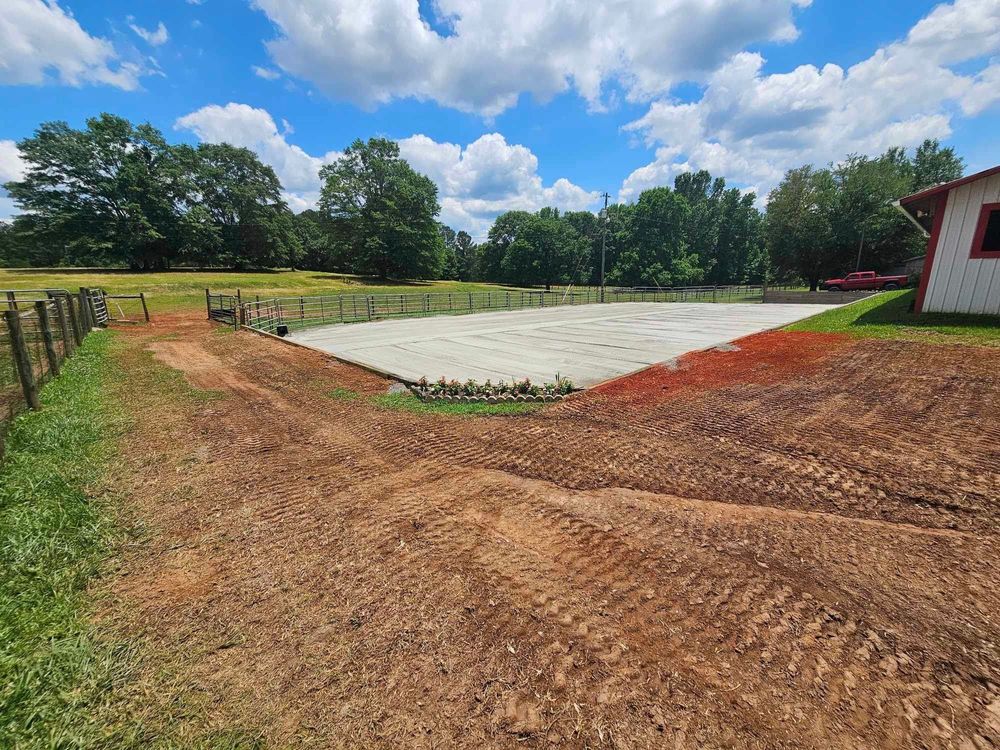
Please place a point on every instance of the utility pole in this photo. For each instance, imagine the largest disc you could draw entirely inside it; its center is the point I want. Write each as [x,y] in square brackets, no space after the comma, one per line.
[857,266]
[604,242]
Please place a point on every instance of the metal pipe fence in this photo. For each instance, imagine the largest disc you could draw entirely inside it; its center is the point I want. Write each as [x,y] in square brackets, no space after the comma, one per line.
[305,311]
[296,312]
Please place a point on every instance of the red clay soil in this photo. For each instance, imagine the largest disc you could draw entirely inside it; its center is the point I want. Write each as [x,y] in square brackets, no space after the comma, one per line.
[790,545]
[762,358]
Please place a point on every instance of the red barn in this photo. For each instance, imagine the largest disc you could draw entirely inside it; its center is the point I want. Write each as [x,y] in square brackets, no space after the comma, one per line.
[962,270]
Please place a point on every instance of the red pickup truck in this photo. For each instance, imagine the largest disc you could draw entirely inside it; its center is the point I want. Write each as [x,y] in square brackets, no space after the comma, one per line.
[864,280]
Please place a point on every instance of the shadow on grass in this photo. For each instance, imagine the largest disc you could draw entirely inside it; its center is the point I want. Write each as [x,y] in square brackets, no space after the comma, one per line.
[349,279]
[899,311]
[890,316]
[139,271]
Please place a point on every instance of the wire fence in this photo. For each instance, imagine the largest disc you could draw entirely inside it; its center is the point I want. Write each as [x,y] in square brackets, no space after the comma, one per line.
[291,313]
[284,314]
[39,329]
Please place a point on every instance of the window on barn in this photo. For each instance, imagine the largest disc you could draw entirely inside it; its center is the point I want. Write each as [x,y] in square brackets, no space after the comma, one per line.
[986,242]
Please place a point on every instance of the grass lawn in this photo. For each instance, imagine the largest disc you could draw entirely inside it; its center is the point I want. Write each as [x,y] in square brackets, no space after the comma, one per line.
[53,676]
[168,291]
[410,403]
[67,681]
[888,316]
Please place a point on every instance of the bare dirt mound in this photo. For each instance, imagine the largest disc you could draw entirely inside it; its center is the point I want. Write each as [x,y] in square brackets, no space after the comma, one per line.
[790,545]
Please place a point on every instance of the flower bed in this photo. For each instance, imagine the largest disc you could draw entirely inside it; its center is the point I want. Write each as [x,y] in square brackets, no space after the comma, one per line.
[521,391]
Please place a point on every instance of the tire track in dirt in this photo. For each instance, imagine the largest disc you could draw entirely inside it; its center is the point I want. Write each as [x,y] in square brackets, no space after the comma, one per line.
[396,579]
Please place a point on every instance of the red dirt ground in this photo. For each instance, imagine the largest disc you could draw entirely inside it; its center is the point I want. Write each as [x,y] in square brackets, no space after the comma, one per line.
[790,545]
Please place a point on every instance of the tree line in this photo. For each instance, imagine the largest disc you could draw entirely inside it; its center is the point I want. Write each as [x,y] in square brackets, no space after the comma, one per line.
[117,194]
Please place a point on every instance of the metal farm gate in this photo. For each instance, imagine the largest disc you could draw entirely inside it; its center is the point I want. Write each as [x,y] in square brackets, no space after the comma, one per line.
[223,307]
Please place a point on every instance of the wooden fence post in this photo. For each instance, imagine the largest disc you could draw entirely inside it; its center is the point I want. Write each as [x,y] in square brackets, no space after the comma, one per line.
[208,305]
[145,310]
[68,343]
[42,311]
[22,359]
[85,323]
[74,323]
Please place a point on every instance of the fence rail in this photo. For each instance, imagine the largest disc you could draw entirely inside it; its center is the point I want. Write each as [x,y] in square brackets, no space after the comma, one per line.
[292,313]
[223,307]
[39,329]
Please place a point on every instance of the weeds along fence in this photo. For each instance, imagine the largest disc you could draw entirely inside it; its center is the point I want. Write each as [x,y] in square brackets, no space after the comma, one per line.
[293,313]
[39,329]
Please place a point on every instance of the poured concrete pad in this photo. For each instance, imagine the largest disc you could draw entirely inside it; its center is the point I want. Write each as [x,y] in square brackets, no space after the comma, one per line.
[586,343]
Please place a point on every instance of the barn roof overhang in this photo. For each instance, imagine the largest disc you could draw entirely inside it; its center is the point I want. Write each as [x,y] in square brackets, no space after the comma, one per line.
[921,206]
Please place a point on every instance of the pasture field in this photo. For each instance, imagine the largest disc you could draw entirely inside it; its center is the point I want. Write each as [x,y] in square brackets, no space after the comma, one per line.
[787,543]
[184,291]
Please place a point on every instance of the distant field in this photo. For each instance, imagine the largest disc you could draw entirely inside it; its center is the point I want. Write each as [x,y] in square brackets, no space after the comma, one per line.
[185,290]
[888,316]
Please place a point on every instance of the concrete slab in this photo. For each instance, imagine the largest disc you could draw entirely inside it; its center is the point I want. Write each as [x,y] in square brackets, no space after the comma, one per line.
[587,343]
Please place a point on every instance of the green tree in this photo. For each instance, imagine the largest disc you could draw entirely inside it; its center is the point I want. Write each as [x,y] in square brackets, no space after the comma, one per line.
[799,236]
[933,165]
[654,250]
[449,269]
[387,211]
[589,227]
[110,193]
[501,236]
[867,229]
[317,240]
[546,250]
[467,257]
[8,247]
[739,255]
[701,232]
[242,198]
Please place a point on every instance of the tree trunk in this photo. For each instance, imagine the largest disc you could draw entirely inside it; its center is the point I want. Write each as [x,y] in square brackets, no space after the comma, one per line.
[813,284]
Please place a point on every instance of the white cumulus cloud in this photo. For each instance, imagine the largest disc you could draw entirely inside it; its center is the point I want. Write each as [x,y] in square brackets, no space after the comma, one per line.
[12,168]
[154,37]
[243,125]
[486,178]
[268,74]
[379,50]
[475,182]
[11,165]
[750,127]
[40,42]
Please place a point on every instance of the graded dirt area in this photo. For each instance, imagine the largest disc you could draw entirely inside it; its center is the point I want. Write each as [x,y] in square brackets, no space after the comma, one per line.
[788,545]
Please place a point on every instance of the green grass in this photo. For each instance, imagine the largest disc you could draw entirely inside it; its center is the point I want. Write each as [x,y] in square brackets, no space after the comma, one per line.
[343,394]
[66,681]
[52,540]
[888,316]
[168,291]
[409,403]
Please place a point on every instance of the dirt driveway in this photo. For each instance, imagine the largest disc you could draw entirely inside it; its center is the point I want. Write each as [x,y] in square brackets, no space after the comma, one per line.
[790,545]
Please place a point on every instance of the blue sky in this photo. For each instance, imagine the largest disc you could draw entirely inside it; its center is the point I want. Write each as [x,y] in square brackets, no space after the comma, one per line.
[517,104]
